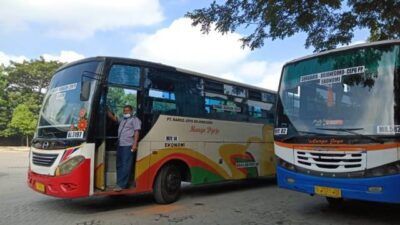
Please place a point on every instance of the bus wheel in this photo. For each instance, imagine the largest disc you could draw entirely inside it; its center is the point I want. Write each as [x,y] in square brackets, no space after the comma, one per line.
[335,202]
[167,186]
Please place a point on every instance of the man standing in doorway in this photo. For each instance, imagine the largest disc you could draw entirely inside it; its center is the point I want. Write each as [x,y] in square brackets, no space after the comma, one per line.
[128,137]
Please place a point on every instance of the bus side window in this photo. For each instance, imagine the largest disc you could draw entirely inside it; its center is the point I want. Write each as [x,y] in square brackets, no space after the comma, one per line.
[174,93]
[225,101]
[189,96]
[261,106]
[162,101]
[220,106]
[124,75]
[292,98]
[260,111]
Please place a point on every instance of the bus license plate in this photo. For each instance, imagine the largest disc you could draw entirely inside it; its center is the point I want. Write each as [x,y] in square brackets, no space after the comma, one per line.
[40,187]
[328,192]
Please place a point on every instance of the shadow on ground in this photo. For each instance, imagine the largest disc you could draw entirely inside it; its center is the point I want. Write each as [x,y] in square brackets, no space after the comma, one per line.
[110,203]
[353,210]
[311,210]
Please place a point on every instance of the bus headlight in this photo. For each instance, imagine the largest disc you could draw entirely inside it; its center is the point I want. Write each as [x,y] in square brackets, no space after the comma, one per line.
[388,169]
[285,164]
[67,166]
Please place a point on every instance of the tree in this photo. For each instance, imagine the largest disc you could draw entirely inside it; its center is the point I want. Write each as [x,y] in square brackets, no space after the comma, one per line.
[118,98]
[22,87]
[24,121]
[328,23]
[4,104]
[28,80]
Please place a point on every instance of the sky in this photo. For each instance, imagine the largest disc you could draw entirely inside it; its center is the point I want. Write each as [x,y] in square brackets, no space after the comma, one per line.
[153,30]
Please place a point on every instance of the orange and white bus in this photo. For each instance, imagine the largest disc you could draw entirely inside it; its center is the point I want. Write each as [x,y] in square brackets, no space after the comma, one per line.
[195,128]
[338,124]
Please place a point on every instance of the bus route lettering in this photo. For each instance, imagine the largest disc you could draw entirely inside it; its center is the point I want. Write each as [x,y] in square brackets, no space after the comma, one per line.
[332,141]
[206,130]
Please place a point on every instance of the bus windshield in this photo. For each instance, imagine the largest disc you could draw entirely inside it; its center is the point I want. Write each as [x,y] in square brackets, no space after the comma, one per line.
[63,114]
[354,90]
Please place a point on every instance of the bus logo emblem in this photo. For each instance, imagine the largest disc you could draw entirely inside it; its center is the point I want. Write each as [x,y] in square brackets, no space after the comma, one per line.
[45,145]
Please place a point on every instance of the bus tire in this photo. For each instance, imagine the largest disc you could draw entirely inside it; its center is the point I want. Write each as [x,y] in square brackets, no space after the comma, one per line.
[335,202]
[167,186]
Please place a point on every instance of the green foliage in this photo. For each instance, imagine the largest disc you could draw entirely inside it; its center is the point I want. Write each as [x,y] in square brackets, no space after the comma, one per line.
[22,87]
[28,80]
[4,104]
[117,98]
[23,120]
[328,23]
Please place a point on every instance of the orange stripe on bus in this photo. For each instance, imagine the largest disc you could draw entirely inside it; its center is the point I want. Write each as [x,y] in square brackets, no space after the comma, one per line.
[340,147]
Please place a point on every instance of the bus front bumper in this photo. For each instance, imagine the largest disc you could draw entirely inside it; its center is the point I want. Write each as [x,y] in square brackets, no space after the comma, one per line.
[73,185]
[351,188]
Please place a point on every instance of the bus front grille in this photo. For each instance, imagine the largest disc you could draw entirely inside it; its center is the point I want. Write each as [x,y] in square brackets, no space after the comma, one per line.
[331,161]
[40,159]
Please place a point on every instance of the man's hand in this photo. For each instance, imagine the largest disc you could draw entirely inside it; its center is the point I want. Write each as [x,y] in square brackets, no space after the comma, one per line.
[111,116]
[135,141]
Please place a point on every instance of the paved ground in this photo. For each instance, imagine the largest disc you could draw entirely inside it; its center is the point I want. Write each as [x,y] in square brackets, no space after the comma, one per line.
[252,203]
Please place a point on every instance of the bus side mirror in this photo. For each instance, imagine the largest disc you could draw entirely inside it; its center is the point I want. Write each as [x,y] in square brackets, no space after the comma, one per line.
[85,90]
[86,80]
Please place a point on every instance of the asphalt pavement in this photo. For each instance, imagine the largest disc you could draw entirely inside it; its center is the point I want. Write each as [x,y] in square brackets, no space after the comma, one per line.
[248,203]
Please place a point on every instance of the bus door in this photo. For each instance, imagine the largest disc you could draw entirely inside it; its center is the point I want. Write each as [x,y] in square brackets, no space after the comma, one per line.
[122,89]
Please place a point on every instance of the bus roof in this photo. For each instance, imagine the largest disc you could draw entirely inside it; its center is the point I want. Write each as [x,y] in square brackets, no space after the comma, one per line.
[160,65]
[368,44]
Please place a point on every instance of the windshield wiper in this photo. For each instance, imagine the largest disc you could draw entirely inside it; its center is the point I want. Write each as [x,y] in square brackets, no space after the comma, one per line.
[52,134]
[300,131]
[353,131]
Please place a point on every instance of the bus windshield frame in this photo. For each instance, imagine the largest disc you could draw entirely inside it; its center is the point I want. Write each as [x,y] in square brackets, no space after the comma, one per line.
[64,114]
[346,94]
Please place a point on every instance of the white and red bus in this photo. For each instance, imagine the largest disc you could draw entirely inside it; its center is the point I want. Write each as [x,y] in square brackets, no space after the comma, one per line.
[195,128]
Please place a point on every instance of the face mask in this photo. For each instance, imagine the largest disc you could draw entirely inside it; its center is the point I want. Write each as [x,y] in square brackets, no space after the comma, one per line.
[127,115]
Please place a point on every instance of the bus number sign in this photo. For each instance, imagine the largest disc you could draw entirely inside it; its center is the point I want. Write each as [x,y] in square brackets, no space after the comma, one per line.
[74,134]
[388,129]
[280,131]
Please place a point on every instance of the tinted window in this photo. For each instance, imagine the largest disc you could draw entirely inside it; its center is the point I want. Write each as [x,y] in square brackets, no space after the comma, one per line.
[267,97]
[162,94]
[224,107]
[162,101]
[213,86]
[124,75]
[234,90]
[260,111]
[255,95]
[174,93]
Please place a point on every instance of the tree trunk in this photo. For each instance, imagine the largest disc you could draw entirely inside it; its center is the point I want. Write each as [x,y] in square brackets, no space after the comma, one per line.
[27,141]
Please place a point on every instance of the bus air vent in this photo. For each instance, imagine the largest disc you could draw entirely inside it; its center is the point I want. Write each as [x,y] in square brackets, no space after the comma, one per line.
[331,161]
[40,159]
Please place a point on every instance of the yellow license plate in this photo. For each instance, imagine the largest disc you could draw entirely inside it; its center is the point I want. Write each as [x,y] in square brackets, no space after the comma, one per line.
[40,187]
[328,192]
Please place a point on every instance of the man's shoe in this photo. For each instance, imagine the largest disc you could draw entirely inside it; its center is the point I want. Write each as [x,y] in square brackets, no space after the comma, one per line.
[117,189]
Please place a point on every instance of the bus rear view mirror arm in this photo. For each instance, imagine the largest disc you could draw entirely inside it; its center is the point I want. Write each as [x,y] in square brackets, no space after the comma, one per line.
[85,90]
[86,80]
